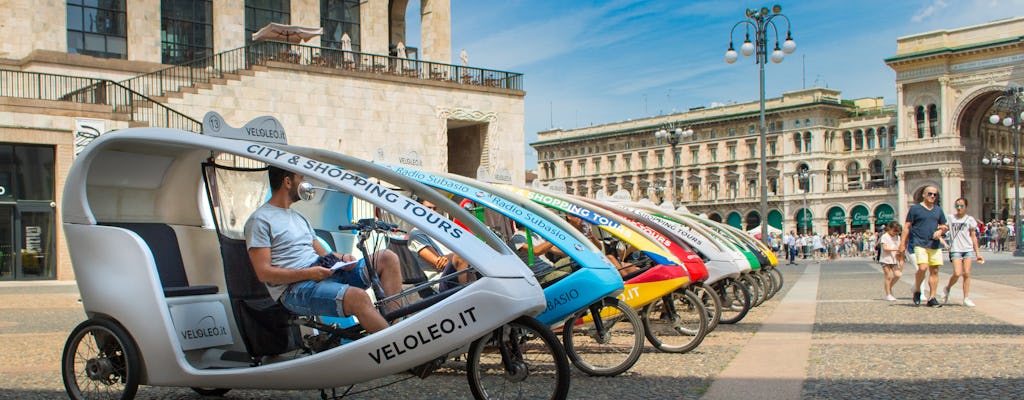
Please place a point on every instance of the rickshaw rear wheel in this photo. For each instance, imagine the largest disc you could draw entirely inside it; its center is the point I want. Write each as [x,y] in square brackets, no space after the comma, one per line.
[211,391]
[675,323]
[712,304]
[521,358]
[736,300]
[613,349]
[100,360]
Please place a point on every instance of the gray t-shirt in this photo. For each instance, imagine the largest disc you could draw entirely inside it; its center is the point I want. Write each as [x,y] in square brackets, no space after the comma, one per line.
[540,263]
[288,235]
[418,241]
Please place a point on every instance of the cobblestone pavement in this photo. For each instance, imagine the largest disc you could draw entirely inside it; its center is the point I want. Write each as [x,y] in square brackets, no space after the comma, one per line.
[861,347]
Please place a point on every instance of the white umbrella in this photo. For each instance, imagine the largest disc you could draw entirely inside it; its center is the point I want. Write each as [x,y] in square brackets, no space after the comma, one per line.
[464,57]
[286,33]
[757,230]
[346,46]
[400,53]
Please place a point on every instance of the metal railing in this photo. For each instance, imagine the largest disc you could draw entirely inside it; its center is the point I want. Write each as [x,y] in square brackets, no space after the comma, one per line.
[120,99]
[159,83]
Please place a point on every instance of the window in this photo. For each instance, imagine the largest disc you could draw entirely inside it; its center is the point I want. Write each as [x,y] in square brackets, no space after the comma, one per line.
[751,129]
[611,163]
[611,147]
[186,30]
[713,190]
[694,155]
[883,141]
[643,142]
[627,161]
[771,147]
[568,168]
[98,28]
[643,162]
[661,160]
[259,13]
[807,142]
[597,166]
[752,149]
[933,120]
[675,158]
[798,141]
[752,188]
[807,122]
[714,154]
[803,178]
[583,167]
[858,139]
[853,176]
[871,138]
[847,141]
[733,191]
[796,123]
[732,153]
[892,137]
[27,172]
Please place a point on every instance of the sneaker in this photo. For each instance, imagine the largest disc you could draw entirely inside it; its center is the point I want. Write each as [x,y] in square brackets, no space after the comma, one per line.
[932,302]
[968,303]
[890,298]
[945,295]
[917,298]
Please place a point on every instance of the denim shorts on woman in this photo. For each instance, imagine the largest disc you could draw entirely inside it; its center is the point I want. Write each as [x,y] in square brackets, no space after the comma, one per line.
[324,297]
[953,255]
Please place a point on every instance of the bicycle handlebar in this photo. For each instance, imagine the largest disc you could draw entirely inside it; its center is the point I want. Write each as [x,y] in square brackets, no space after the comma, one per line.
[369,224]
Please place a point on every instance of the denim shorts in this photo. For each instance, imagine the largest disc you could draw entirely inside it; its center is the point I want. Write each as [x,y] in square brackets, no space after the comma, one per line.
[953,255]
[324,297]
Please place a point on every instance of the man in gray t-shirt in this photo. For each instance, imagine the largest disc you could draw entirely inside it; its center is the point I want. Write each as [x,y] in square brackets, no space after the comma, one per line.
[431,256]
[296,269]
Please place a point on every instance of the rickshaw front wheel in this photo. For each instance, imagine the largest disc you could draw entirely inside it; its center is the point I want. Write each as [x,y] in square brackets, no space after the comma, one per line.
[100,360]
[520,360]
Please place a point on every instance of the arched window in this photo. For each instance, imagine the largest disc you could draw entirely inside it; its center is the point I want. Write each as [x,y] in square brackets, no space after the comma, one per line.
[919,118]
[752,188]
[733,190]
[933,120]
[807,142]
[773,185]
[853,176]
[829,172]
[803,178]
[892,173]
[713,190]
[871,138]
[847,141]
[797,142]
[892,137]
[877,174]
[883,140]
[858,139]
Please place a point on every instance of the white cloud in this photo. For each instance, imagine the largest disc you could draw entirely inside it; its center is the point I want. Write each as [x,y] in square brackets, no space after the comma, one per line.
[929,11]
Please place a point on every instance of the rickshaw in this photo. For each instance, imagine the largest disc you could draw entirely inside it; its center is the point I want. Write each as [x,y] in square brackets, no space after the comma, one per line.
[602,336]
[674,318]
[171,299]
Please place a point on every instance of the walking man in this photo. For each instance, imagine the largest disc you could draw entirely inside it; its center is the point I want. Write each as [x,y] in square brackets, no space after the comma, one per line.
[791,248]
[925,224]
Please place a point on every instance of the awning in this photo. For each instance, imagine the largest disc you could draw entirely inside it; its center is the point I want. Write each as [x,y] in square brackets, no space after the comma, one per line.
[836,216]
[860,216]
[286,33]
[884,214]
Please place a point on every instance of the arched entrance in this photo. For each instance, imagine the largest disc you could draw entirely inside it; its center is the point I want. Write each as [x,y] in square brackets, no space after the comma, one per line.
[753,220]
[884,214]
[836,220]
[775,219]
[735,220]
[860,219]
[993,197]
[715,217]
[804,221]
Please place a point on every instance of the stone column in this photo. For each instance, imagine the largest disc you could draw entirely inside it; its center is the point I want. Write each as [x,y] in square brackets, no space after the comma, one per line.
[373,26]
[901,195]
[228,25]
[436,31]
[144,30]
[943,102]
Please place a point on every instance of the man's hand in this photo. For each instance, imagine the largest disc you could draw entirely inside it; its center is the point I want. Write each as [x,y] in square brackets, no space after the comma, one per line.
[318,273]
[937,234]
[440,263]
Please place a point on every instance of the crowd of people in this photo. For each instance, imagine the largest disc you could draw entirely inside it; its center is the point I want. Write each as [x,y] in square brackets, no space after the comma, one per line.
[818,247]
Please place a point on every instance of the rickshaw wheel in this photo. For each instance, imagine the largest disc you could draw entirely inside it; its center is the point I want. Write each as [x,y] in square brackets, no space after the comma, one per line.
[100,360]
[521,358]
[613,350]
[675,323]
[712,304]
[736,300]
[211,391]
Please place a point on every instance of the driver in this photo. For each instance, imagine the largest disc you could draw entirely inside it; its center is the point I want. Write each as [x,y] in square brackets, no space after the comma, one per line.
[296,269]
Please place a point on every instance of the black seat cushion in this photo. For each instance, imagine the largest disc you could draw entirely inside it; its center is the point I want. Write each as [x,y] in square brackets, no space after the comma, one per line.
[163,243]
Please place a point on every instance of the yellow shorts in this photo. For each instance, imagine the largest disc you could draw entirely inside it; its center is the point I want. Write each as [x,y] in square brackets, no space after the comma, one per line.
[932,257]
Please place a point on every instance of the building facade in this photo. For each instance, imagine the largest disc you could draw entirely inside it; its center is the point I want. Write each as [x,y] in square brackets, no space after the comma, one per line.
[833,165]
[80,68]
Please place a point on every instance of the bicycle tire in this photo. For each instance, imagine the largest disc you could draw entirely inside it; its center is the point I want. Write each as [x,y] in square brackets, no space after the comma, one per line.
[109,362]
[779,280]
[537,354]
[712,303]
[752,287]
[675,323]
[736,301]
[612,350]
[769,283]
[762,288]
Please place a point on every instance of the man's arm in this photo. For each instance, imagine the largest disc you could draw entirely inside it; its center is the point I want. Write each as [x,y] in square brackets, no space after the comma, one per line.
[905,236]
[266,273]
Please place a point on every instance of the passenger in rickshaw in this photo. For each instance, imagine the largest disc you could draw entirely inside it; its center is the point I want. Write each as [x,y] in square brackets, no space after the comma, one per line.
[609,251]
[431,255]
[296,269]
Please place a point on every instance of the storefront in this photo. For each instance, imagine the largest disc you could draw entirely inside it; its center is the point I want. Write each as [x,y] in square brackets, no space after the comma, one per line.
[860,219]
[27,216]
[884,214]
[804,221]
[836,220]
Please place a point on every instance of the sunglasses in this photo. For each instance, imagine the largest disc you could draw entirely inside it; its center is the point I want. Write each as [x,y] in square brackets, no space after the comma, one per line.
[932,194]
[959,206]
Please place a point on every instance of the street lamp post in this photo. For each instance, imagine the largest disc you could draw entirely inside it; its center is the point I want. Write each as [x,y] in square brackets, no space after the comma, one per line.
[996,160]
[760,21]
[804,177]
[674,135]
[1012,102]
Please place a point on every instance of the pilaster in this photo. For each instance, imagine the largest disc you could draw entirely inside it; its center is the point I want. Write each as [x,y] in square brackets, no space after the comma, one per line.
[144,30]
[228,25]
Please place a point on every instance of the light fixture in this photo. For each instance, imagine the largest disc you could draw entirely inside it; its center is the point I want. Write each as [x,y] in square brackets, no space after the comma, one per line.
[777,55]
[730,55]
[789,46]
[747,48]
[994,119]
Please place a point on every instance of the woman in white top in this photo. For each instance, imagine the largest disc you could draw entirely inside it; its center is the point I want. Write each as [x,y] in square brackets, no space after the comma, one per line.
[963,233]
[891,260]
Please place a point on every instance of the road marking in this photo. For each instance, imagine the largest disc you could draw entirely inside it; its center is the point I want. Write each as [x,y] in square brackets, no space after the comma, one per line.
[774,362]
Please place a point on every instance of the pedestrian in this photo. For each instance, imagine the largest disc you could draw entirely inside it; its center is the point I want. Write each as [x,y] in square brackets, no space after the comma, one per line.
[963,247]
[791,248]
[924,225]
[891,259]
[1003,233]
[818,247]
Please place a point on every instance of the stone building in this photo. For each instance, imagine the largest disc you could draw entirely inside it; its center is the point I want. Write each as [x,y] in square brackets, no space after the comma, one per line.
[834,165]
[79,68]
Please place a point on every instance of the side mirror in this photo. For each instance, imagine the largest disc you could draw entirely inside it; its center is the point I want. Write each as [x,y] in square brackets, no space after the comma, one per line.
[306,191]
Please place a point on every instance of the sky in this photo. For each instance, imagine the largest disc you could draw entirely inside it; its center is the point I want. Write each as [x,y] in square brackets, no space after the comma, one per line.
[596,62]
